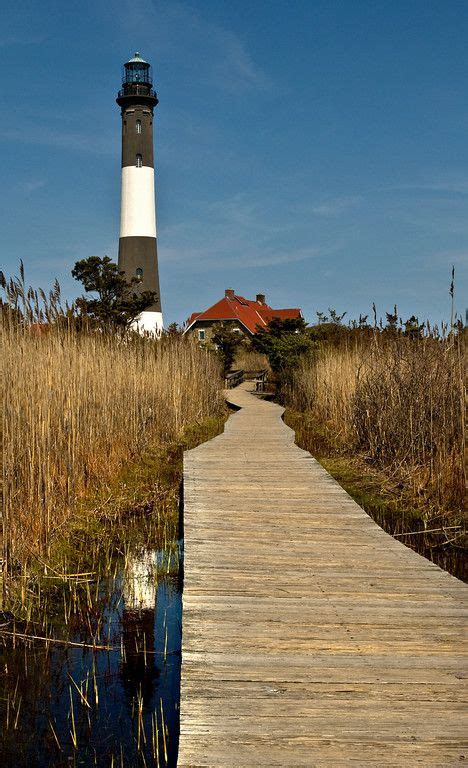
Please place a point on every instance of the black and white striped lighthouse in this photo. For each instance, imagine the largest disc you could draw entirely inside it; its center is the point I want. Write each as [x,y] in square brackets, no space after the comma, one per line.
[137,245]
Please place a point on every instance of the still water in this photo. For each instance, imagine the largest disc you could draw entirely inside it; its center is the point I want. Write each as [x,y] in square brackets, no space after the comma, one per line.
[117,706]
[434,546]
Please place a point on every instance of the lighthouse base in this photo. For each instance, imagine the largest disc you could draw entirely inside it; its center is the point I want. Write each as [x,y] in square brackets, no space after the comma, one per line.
[149,322]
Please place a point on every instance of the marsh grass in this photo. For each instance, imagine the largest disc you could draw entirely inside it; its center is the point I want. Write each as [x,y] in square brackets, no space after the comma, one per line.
[78,406]
[437,535]
[94,425]
[248,360]
[399,404]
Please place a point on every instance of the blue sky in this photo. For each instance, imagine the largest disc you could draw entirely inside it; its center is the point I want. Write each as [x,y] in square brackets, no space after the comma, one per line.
[313,151]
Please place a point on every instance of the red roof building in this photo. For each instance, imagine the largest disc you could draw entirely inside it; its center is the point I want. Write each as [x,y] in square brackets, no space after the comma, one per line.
[244,315]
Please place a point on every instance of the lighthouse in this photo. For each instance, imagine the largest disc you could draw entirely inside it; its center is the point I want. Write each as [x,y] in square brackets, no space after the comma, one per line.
[138,256]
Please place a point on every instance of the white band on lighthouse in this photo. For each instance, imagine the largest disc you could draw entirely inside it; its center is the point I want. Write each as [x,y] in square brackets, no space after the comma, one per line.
[149,322]
[138,210]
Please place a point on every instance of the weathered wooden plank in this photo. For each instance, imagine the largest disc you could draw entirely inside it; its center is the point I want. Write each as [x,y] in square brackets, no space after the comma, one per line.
[310,636]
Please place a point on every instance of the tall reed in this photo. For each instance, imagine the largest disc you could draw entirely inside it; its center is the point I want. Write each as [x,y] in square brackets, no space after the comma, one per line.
[248,360]
[76,406]
[397,401]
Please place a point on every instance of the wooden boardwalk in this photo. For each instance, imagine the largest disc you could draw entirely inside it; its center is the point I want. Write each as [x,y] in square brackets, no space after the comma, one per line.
[310,636]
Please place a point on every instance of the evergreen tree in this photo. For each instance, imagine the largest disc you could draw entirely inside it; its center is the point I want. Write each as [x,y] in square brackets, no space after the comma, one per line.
[413,328]
[118,301]
[283,342]
[226,341]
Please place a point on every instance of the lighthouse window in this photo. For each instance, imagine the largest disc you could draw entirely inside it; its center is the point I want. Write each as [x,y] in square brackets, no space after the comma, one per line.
[138,126]
[139,161]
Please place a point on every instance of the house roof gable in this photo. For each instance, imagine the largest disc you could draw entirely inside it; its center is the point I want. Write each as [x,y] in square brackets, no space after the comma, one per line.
[251,314]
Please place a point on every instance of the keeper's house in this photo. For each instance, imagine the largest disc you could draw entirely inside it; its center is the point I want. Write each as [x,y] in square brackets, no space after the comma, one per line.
[244,315]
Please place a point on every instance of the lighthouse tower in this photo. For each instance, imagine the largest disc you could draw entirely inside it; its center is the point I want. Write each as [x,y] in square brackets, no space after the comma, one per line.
[137,245]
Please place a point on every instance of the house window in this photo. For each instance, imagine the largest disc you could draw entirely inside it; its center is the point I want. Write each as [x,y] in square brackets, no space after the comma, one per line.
[139,161]
[139,273]
[201,335]
[138,126]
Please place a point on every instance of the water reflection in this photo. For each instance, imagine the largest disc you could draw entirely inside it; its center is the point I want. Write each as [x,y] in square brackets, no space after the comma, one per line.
[139,669]
[432,545]
[67,706]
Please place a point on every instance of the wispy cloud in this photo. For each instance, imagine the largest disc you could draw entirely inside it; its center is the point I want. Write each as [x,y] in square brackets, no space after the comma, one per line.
[218,256]
[79,142]
[335,206]
[213,53]
[455,186]
[31,185]
[237,210]
[245,215]
[238,232]
[21,40]
[450,257]
[439,214]
[18,27]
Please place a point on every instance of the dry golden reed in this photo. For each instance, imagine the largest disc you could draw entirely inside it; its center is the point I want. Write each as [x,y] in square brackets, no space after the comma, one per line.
[248,360]
[76,407]
[397,401]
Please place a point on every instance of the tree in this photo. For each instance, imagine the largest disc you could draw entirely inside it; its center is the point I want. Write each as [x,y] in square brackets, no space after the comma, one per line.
[226,341]
[391,328]
[119,302]
[330,328]
[335,317]
[322,318]
[173,329]
[283,342]
[413,328]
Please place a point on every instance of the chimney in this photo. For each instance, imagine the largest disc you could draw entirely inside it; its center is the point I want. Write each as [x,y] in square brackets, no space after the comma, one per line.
[229,293]
[260,298]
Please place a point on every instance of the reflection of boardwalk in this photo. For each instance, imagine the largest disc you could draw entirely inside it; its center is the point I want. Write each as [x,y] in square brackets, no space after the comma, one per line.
[310,636]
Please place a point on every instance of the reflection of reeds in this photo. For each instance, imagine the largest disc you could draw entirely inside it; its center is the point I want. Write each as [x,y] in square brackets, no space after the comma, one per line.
[78,405]
[399,402]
